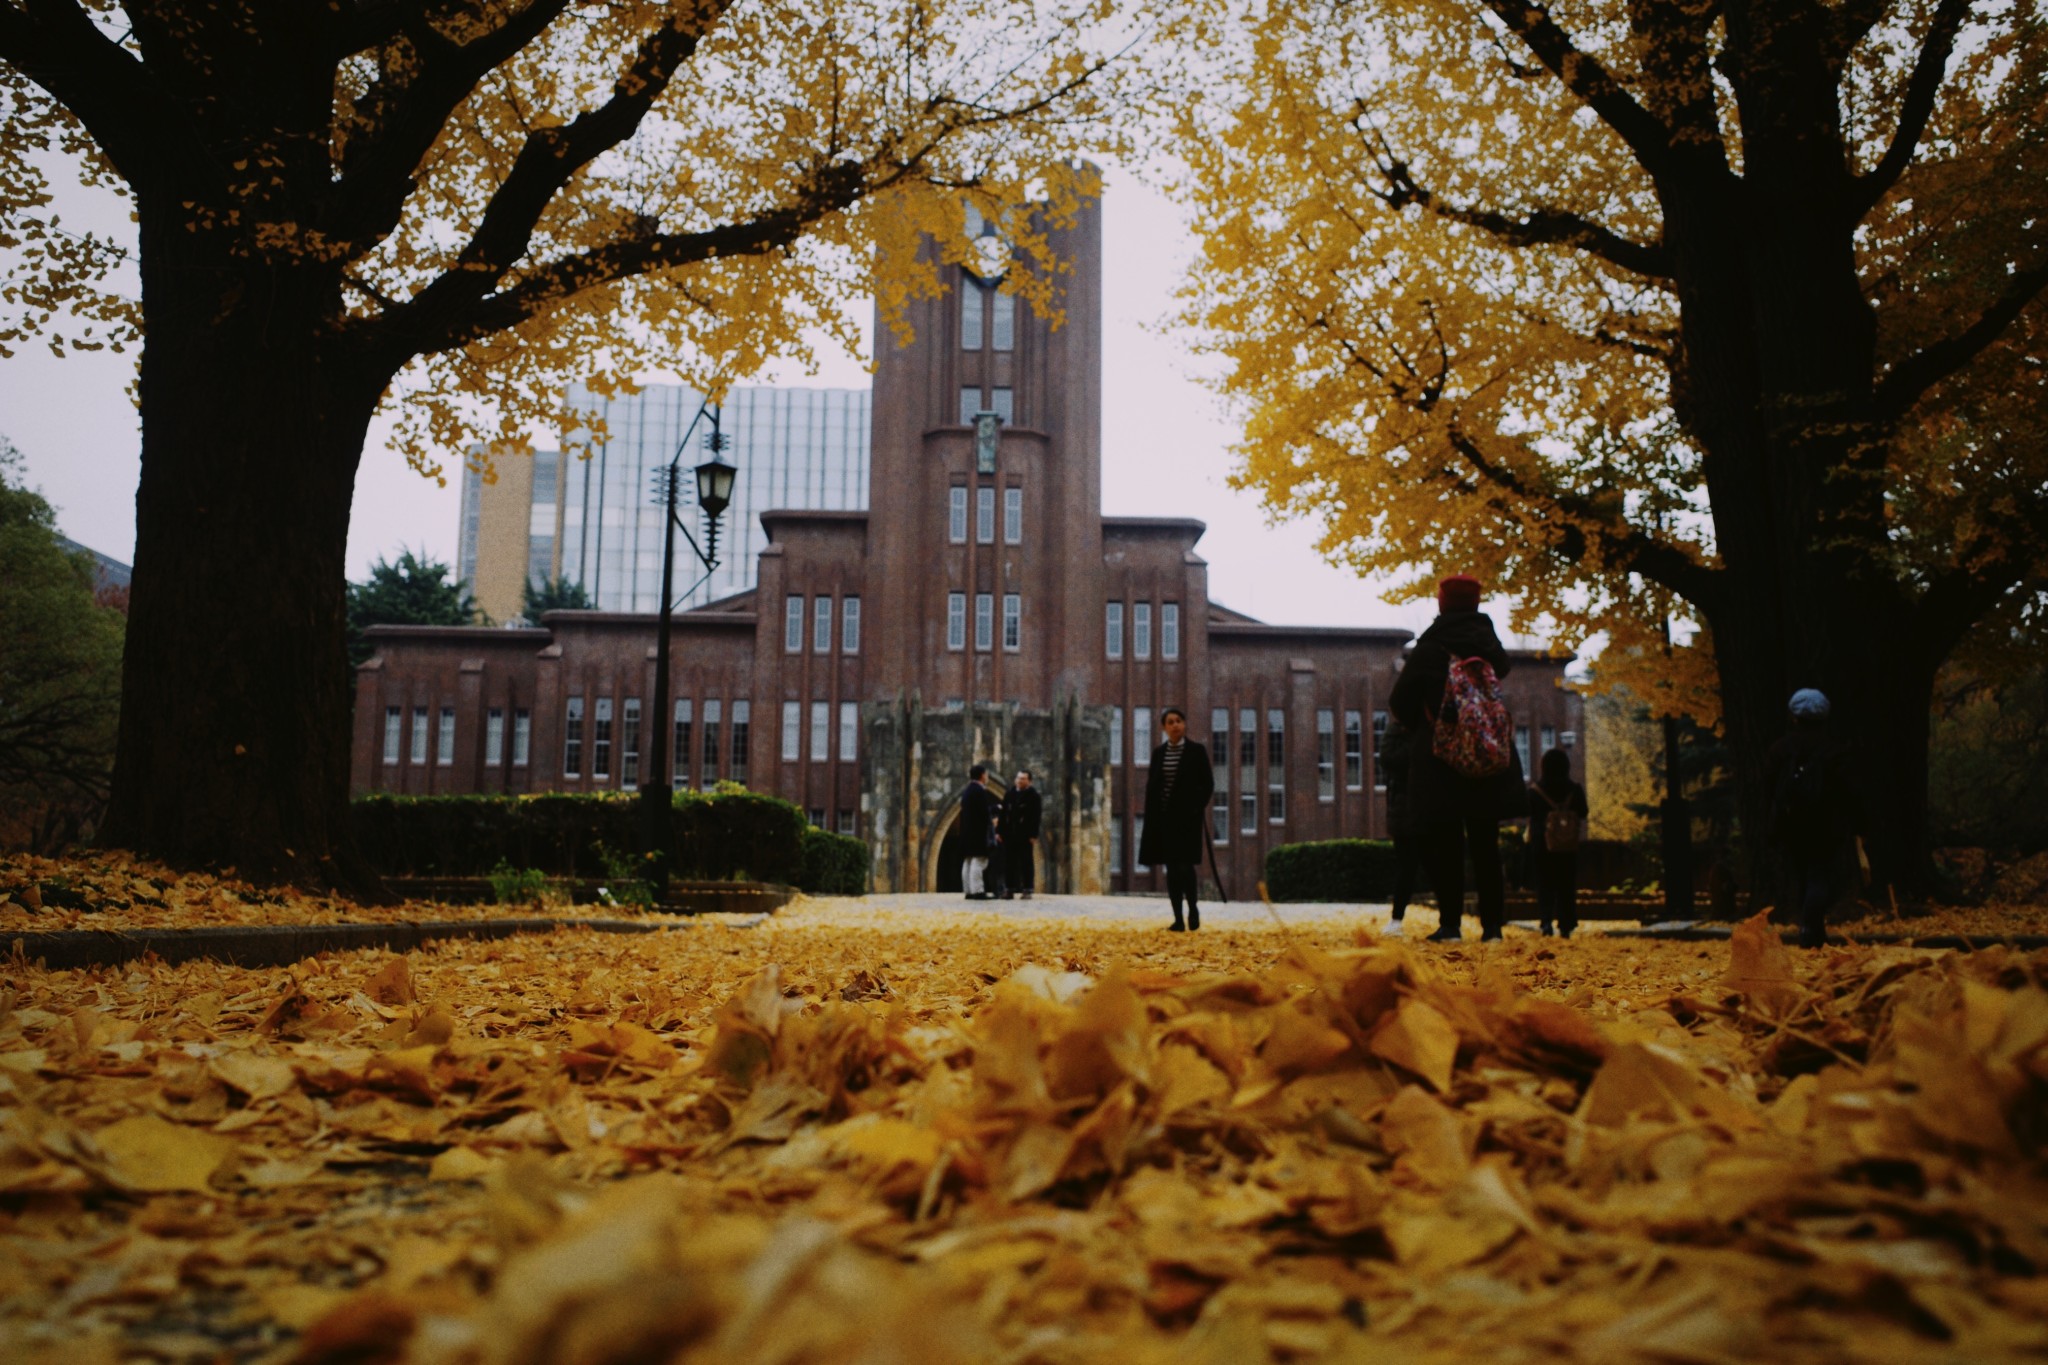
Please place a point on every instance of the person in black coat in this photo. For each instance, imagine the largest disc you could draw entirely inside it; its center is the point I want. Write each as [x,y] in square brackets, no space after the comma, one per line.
[1556,870]
[1177,793]
[1456,815]
[977,827]
[1814,812]
[1020,836]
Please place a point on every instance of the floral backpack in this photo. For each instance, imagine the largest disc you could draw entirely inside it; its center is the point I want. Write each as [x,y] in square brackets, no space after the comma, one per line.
[1473,736]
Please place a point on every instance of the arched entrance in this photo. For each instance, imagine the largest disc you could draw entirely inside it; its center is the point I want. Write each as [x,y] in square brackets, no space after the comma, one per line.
[943,859]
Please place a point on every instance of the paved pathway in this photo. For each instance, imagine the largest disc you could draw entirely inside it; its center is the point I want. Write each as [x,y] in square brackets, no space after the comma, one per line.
[1141,909]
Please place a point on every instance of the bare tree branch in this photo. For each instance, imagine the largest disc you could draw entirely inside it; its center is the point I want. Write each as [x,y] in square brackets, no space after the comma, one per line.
[1908,380]
[1917,107]
[1542,227]
[1584,75]
[138,124]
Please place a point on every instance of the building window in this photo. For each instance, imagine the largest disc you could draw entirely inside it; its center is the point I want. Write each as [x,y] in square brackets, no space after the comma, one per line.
[821,625]
[1276,766]
[713,715]
[984,621]
[1568,740]
[1549,740]
[817,817]
[846,821]
[1013,516]
[419,735]
[601,739]
[1013,622]
[494,737]
[1003,307]
[970,405]
[1354,751]
[1141,630]
[1141,736]
[1522,747]
[1002,405]
[629,737]
[956,514]
[1138,843]
[985,515]
[973,304]
[1169,630]
[849,731]
[821,731]
[1113,630]
[1248,770]
[572,738]
[956,620]
[849,625]
[394,724]
[1326,755]
[793,625]
[1379,743]
[679,775]
[522,736]
[1116,845]
[1219,745]
[445,749]
[792,730]
[1116,736]
[742,726]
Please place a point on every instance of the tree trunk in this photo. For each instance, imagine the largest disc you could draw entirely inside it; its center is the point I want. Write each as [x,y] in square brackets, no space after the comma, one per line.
[233,747]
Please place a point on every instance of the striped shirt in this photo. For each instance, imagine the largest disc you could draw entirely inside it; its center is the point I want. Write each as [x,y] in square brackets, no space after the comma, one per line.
[1169,766]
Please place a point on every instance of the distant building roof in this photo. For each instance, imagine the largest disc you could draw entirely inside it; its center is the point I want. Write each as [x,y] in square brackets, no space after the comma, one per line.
[108,572]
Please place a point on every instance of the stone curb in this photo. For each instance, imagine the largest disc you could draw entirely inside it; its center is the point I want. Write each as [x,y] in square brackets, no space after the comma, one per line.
[278,945]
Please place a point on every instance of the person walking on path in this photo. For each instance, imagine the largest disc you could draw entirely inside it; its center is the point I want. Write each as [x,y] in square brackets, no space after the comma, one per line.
[1557,809]
[1814,814]
[1177,793]
[1396,753]
[977,822]
[1455,815]
[1020,835]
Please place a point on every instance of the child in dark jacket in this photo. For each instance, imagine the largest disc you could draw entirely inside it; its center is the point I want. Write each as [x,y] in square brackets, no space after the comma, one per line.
[1557,807]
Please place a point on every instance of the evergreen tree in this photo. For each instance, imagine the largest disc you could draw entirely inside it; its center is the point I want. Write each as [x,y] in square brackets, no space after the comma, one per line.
[60,675]
[554,594]
[411,592]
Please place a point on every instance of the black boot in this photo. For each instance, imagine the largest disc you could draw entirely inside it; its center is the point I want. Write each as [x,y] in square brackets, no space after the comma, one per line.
[1194,917]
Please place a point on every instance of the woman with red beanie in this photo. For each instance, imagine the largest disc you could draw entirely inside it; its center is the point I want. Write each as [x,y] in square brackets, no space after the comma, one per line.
[1455,816]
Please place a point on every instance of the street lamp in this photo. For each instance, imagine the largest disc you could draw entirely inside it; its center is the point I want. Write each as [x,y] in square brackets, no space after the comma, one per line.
[714,494]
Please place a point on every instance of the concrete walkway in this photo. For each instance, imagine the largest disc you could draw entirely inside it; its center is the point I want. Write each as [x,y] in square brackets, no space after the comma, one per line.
[1141,910]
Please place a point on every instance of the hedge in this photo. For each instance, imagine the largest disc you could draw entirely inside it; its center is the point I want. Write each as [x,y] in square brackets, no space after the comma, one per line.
[721,835]
[1335,870]
[834,864]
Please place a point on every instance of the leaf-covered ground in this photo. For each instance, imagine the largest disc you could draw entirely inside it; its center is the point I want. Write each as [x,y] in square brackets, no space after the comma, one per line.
[858,1136]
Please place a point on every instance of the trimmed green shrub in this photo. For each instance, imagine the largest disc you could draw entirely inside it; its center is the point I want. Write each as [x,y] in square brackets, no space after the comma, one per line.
[1334,870]
[517,885]
[834,864]
[722,835]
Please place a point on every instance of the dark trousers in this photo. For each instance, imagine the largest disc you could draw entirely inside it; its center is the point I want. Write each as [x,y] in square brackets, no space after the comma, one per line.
[1819,877]
[1557,889]
[1181,881]
[1444,852]
[997,884]
[1407,862]
[1020,866]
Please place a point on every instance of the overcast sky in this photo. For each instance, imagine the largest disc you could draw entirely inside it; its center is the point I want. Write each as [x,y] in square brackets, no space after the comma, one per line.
[1165,441]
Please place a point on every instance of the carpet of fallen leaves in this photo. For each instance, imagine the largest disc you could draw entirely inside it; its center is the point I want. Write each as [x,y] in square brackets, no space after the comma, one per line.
[850,1136]
[115,890]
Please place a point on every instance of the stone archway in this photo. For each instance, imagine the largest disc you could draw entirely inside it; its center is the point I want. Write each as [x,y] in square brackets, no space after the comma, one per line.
[942,856]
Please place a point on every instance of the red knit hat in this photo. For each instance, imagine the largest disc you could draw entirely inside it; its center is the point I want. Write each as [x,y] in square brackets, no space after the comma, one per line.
[1459,592]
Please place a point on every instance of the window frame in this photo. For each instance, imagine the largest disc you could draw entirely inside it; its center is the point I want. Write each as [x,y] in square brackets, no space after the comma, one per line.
[792,731]
[522,737]
[956,621]
[973,312]
[682,760]
[1141,630]
[1326,754]
[601,739]
[394,735]
[984,514]
[1169,630]
[494,737]
[793,623]
[1113,630]
[956,514]
[821,731]
[849,624]
[984,622]
[849,731]
[1013,515]
[572,737]
[739,741]
[1013,622]
[629,744]
[1141,736]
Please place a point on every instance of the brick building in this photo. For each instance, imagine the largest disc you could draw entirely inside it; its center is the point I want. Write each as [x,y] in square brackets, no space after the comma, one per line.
[984,609]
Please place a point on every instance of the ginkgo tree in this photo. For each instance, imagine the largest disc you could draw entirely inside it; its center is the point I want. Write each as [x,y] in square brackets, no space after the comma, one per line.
[1722,312]
[449,208]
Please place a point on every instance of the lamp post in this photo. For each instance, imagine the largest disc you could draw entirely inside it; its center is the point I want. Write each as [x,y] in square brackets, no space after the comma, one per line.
[714,494]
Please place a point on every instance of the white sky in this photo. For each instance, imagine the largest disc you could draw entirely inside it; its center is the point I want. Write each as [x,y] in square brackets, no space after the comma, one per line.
[1165,441]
